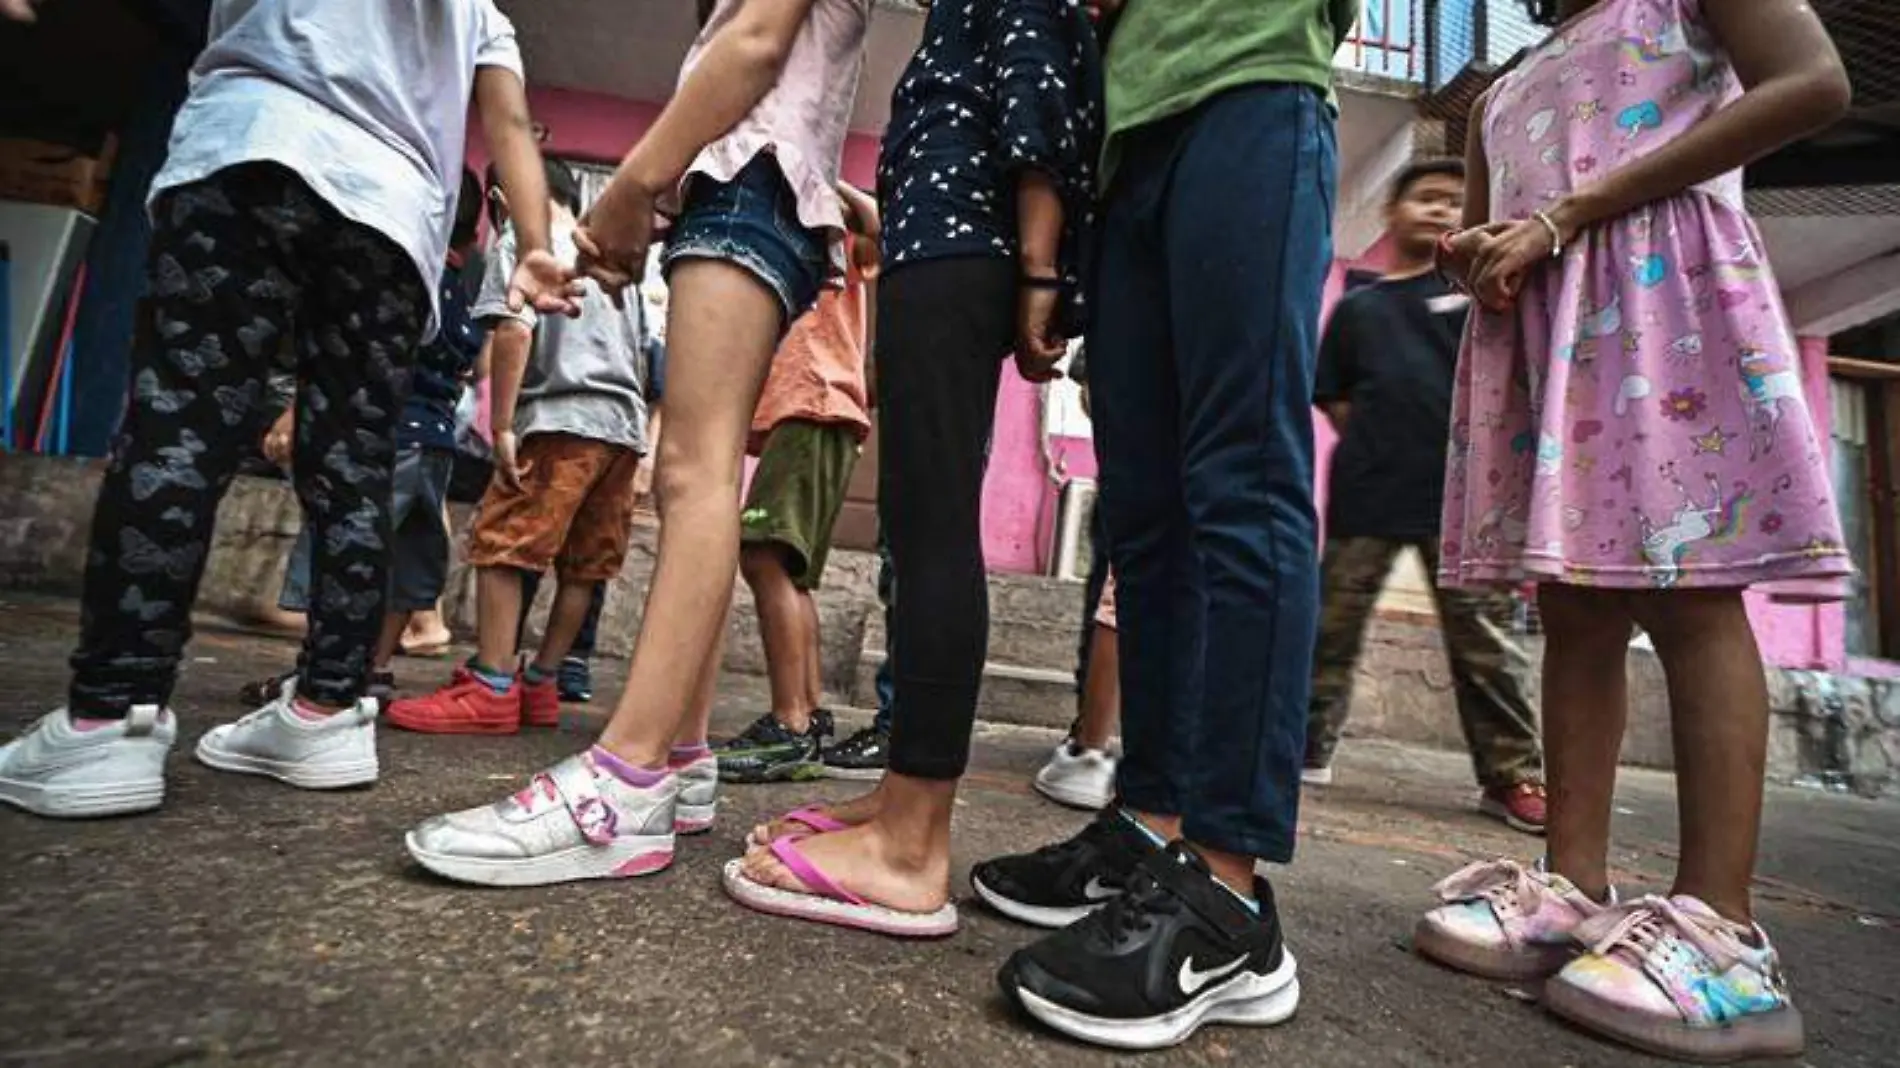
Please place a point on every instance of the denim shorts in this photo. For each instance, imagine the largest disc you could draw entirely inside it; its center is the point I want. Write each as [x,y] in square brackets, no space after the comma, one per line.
[752,221]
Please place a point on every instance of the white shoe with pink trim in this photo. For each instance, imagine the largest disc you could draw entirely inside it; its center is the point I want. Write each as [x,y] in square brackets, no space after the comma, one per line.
[574,821]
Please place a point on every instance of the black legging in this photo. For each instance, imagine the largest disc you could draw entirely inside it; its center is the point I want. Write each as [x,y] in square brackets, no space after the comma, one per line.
[944,328]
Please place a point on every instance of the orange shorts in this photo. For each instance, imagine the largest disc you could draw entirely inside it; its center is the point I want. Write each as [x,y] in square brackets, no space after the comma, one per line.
[573,512]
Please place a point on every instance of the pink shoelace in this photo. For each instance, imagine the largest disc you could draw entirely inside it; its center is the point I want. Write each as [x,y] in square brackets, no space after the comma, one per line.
[1641,924]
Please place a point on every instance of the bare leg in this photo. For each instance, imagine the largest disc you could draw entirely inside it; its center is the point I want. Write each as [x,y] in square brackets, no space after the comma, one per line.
[572,600]
[693,727]
[723,326]
[783,624]
[1718,713]
[497,616]
[1101,691]
[394,624]
[900,858]
[814,659]
[1586,702]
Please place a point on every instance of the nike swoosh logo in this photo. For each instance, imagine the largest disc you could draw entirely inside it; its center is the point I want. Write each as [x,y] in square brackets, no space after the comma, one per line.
[1096,891]
[1192,981]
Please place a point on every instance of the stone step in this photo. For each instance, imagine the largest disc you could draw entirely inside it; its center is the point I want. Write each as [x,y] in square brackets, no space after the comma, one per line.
[1012,694]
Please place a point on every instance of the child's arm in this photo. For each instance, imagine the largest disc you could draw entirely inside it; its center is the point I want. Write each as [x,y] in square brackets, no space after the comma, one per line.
[740,65]
[539,278]
[1794,85]
[509,344]
[1039,233]
[1456,252]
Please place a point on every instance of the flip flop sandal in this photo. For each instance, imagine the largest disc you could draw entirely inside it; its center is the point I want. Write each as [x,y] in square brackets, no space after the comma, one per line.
[828,903]
[811,817]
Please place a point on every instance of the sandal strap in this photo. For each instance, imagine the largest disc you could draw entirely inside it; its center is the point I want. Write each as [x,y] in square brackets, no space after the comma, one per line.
[816,818]
[596,817]
[788,854]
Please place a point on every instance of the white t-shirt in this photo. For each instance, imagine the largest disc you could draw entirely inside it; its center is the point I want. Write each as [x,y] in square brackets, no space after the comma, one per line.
[366,100]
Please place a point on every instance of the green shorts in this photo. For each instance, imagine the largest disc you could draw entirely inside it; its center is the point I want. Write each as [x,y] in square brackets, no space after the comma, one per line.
[797,493]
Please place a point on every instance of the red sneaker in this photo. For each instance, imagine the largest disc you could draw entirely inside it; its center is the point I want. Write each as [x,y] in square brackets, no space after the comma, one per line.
[540,701]
[1522,806]
[467,705]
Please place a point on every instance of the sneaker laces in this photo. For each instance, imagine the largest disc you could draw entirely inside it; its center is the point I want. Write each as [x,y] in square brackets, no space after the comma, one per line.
[1505,883]
[1641,925]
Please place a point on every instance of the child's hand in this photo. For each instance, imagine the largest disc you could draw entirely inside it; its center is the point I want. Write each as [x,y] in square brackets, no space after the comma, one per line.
[276,444]
[1458,249]
[1038,349]
[541,282]
[508,467]
[613,237]
[1497,271]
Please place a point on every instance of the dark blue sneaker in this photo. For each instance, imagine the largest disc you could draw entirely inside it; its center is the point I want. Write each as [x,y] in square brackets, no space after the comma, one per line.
[575,680]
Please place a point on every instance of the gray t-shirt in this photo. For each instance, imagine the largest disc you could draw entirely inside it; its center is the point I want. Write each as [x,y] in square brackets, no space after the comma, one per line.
[586,376]
[384,86]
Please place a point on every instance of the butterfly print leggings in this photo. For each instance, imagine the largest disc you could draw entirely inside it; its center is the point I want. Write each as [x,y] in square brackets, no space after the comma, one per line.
[251,271]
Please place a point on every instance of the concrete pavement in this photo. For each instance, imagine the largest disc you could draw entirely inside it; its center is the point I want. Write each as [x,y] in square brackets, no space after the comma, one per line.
[248,923]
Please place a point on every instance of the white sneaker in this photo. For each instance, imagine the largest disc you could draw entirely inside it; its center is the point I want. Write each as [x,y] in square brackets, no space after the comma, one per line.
[572,822]
[331,753]
[1317,776]
[55,770]
[1078,777]
[699,796]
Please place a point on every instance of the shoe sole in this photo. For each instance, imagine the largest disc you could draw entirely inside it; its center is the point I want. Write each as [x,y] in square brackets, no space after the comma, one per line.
[460,726]
[1777,1034]
[1051,917]
[338,776]
[1498,811]
[84,802]
[1316,776]
[799,771]
[624,858]
[1249,999]
[693,819]
[1071,797]
[1486,963]
[853,774]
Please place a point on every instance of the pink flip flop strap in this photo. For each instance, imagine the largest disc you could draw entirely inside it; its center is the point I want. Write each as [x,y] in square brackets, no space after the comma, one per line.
[815,818]
[788,854]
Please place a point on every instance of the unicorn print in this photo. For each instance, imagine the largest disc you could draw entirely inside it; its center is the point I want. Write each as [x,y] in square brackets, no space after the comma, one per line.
[1766,384]
[1499,530]
[1712,520]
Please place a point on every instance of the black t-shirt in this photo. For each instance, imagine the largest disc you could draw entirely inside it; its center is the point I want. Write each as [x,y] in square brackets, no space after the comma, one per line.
[1390,352]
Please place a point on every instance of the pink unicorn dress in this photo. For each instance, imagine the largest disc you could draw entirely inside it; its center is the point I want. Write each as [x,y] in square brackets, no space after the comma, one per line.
[1637,420]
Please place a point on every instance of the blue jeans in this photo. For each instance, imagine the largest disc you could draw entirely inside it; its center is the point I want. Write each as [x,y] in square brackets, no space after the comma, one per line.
[1216,241]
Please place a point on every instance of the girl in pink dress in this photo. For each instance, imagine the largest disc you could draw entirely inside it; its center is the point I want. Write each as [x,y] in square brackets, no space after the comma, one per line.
[1629,431]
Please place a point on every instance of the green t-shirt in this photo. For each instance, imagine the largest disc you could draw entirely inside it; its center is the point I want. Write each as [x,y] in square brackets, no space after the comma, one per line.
[1169,55]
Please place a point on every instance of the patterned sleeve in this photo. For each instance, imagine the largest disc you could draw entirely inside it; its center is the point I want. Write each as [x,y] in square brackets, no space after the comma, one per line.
[1032,80]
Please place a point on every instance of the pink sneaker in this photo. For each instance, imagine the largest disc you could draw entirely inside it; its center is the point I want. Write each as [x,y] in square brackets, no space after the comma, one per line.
[1669,976]
[1502,920]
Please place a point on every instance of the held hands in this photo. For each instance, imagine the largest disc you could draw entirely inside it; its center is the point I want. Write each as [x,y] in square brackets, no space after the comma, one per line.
[1038,344]
[613,237]
[276,444]
[541,282]
[1490,261]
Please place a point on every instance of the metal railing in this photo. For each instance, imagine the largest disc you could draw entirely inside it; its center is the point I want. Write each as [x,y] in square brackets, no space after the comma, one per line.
[1388,41]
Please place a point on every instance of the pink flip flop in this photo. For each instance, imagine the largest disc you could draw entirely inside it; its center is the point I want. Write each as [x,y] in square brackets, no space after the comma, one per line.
[810,816]
[827,902]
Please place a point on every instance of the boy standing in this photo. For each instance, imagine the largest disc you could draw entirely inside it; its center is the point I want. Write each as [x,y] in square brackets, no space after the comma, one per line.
[562,495]
[307,192]
[1384,381]
[807,432]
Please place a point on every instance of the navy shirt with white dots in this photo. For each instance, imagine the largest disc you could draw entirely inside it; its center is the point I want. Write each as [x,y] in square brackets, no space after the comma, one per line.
[996,86]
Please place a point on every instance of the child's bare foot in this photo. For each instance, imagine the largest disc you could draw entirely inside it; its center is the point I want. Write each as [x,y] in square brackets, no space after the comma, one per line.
[851,813]
[866,862]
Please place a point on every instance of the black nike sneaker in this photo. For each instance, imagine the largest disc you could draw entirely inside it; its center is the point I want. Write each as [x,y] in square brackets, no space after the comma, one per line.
[1061,883]
[861,757]
[1154,964]
[769,751]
